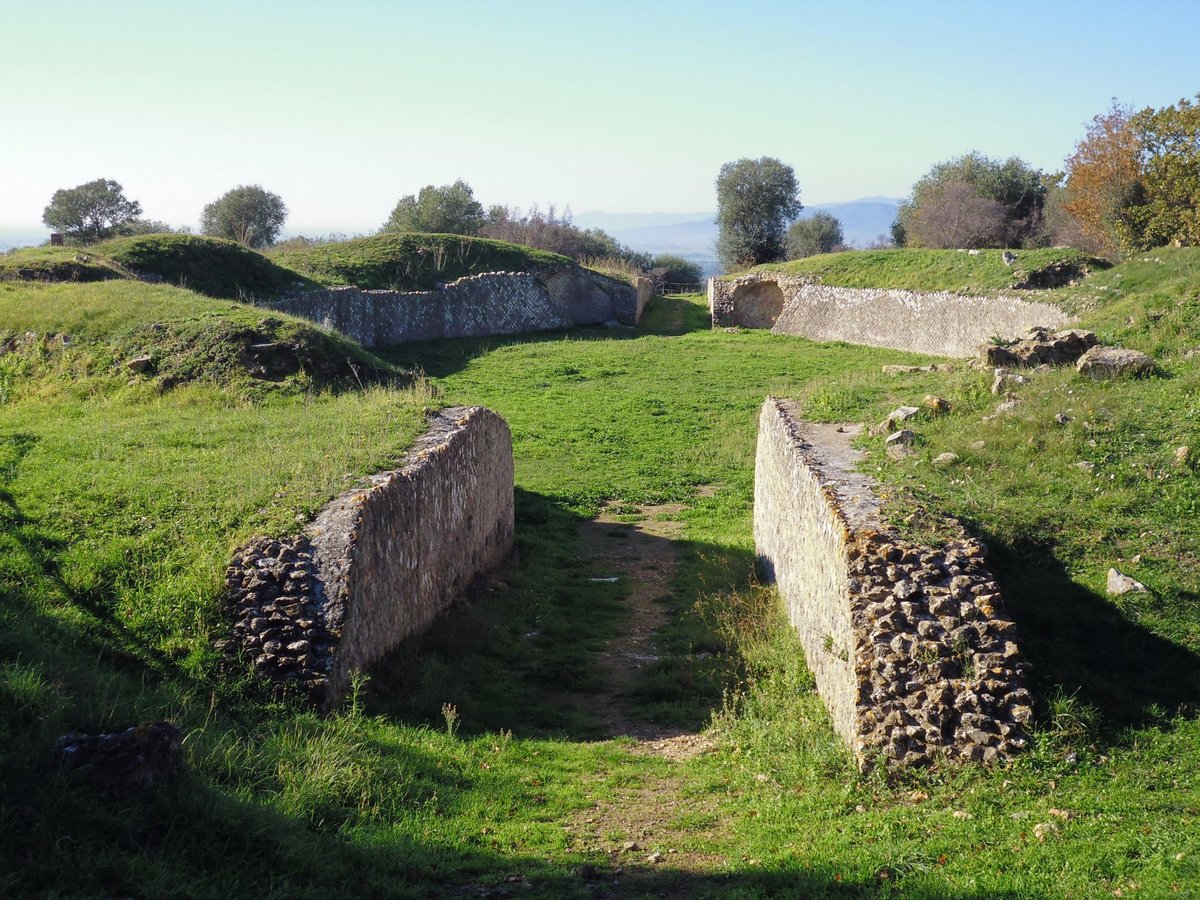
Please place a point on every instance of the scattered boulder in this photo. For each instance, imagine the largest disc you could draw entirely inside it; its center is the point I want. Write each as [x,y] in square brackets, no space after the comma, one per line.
[139,364]
[1182,455]
[945,460]
[1113,362]
[894,420]
[1120,583]
[271,360]
[900,443]
[1009,257]
[138,762]
[1062,419]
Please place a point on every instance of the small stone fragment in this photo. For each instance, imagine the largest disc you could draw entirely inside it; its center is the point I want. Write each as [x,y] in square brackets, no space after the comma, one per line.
[139,364]
[1182,455]
[945,460]
[1062,418]
[936,404]
[1086,467]
[1120,583]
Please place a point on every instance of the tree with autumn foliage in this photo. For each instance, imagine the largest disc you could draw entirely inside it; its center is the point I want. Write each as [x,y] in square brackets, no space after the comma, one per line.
[1103,179]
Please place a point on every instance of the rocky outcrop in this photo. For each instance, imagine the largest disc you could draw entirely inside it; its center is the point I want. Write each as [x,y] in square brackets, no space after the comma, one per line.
[380,562]
[1039,347]
[940,323]
[909,644]
[474,306]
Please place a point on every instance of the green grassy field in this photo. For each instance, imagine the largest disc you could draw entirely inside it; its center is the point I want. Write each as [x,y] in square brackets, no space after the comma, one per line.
[467,763]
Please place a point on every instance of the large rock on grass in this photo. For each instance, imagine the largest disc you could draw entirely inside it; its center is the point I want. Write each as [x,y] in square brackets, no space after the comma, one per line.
[1112,362]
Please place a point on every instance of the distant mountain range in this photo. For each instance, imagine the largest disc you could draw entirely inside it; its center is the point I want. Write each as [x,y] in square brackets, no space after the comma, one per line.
[692,235]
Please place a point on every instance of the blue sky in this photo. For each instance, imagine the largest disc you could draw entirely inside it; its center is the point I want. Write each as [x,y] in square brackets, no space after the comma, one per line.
[341,108]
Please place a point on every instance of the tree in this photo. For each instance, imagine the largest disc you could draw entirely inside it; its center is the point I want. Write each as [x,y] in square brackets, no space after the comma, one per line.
[953,215]
[1012,183]
[677,270]
[1103,178]
[247,214]
[90,212]
[1167,207]
[449,209]
[756,200]
[818,233]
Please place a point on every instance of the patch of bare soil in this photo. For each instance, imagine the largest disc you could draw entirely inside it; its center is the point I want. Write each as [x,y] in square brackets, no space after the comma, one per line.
[635,544]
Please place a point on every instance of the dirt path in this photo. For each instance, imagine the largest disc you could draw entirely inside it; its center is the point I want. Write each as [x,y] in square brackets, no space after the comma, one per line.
[642,554]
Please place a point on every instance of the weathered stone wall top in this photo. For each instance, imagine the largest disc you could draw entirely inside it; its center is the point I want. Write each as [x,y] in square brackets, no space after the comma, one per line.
[473,306]
[939,323]
[380,562]
[909,644]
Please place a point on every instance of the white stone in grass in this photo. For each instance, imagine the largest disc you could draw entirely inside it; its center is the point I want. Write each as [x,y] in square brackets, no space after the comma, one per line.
[1120,583]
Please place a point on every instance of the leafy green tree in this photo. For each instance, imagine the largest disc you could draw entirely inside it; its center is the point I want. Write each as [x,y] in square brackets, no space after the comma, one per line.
[1000,202]
[677,269]
[818,233]
[247,214]
[1166,209]
[90,212]
[756,200]
[449,209]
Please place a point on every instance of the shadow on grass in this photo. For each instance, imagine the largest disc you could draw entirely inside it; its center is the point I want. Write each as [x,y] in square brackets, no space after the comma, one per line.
[204,842]
[521,653]
[1080,643]
[666,316]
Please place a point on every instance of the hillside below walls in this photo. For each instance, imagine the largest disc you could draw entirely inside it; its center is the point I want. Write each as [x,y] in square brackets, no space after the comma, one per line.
[380,562]
[937,323]
[908,644]
[474,306]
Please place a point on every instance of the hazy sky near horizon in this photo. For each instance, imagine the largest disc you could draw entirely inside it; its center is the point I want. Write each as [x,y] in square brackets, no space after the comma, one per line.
[622,106]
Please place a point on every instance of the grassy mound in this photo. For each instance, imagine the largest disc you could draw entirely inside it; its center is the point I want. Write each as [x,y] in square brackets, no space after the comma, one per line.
[212,266]
[409,262]
[58,264]
[116,330]
[944,270]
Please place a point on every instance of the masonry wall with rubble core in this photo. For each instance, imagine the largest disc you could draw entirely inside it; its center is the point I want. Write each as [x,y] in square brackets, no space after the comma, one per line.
[938,323]
[474,306]
[380,562]
[909,645]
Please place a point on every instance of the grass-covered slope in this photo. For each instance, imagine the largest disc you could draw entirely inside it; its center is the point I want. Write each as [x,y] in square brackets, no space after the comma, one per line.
[87,332]
[57,264]
[210,266]
[407,261]
[943,270]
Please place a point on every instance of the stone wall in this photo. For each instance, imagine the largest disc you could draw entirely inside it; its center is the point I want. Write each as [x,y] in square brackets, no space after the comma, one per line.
[908,644]
[941,323]
[380,562]
[475,306]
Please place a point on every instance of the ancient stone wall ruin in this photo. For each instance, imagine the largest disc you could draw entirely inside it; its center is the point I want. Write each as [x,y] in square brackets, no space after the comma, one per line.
[938,323]
[474,306]
[909,645]
[380,562]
